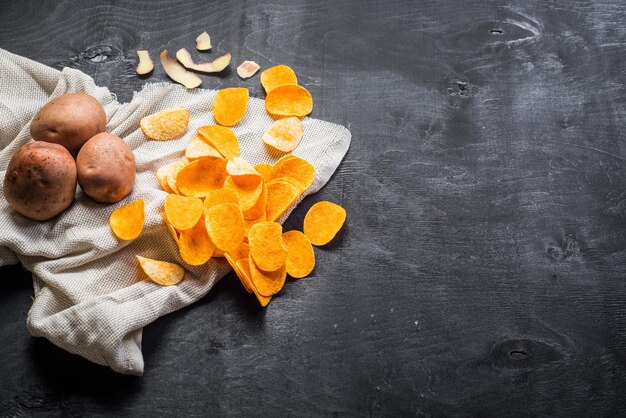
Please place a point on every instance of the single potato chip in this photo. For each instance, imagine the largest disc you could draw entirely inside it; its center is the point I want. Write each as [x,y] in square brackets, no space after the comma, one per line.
[161,272]
[232,257]
[294,167]
[281,194]
[289,100]
[127,221]
[284,134]
[247,69]
[251,222]
[229,105]
[323,221]
[225,226]
[243,265]
[267,283]
[300,256]
[175,234]
[242,172]
[219,196]
[183,212]
[266,245]
[248,194]
[220,138]
[258,209]
[264,170]
[166,124]
[164,172]
[199,148]
[277,76]
[200,177]
[195,245]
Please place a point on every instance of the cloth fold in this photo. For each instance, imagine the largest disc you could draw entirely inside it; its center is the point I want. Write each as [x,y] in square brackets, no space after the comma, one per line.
[88,298]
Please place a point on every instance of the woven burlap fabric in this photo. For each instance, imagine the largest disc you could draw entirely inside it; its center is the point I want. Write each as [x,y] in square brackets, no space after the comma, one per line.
[88,298]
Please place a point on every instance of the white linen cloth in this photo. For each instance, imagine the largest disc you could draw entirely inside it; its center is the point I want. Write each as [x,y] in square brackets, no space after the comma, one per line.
[88,296]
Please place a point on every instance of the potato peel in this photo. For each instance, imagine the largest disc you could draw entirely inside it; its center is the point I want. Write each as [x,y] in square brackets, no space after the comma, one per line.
[178,73]
[247,69]
[145,65]
[203,42]
[215,66]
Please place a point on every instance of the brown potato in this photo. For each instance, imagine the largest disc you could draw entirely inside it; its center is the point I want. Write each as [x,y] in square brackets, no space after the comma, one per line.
[106,168]
[40,181]
[69,120]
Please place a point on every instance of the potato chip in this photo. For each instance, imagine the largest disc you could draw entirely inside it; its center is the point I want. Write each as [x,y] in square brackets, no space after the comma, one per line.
[277,76]
[199,148]
[300,256]
[248,195]
[222,139]
[240,253]
[242,172]
[264,170]
[243,265]
[127,221]
[166,124]
[267,283]
[294,167]
[167,175]
[289,100]
[195,245]
[258,209]
[229,105]
[250,222]
[225,226]
[218,253]
[183,212]
[175,234]
[284,134]
[266,245]
[323,221]
[199,177]
[161,272]
[281,194]
[219,196]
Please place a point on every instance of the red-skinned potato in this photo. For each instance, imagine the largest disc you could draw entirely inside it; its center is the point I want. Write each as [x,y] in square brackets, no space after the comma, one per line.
[106,168]
[69,120]
[40,181]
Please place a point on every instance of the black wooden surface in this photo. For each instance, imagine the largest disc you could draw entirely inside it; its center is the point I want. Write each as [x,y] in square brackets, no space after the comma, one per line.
[482,269]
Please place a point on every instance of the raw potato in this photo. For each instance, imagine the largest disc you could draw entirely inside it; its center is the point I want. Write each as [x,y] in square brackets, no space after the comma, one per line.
[40,181]
[69,120]
[106,168]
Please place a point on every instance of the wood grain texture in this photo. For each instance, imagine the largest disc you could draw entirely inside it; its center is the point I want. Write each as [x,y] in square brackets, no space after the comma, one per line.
[482,268]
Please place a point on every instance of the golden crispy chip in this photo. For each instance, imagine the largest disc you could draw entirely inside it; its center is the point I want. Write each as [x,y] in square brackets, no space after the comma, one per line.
[264,170]
[222,139]
[225,226]
[229,105]
[266,245]
[250,222]
[161,272]
[242,172]
[199,148]
[284,134]
[323,221]
[175,234]
[183,212]
[289,100]
[219,196]
[232,257]
[267,283]
[294,167]
[240,252]
[258,209]
[277,76]
[248,195]
[195,245]
[166,124]
[244,267]
[199,177]
[300,256]
[281,194]
[127,221]
[218,253]
[168,173]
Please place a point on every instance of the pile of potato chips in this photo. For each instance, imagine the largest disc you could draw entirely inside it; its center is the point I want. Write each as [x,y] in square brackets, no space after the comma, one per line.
[219,205]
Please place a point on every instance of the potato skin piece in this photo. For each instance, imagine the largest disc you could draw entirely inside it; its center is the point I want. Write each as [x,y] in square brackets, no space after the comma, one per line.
[106,168]
[40,181]
[69,120]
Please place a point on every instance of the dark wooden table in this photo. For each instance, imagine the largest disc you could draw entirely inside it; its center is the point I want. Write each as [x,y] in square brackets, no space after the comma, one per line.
[482,269]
